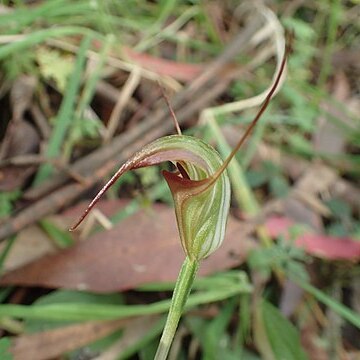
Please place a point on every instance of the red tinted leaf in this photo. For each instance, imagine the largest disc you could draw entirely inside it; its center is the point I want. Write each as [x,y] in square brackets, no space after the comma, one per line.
[324,246]
[143,248]
[177,70]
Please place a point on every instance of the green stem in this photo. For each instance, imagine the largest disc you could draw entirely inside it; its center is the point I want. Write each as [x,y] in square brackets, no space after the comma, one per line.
[181,292]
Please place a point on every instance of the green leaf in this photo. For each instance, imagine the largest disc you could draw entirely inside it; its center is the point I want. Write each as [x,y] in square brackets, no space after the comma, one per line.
[351,316]
[54,66]
[39,36]
[244,325]
[79,297]
[5,349]
[65,115]
[216,330]
[80,311]
[63,297]
[5,292]
[212,334]
[280,339]
[339,208]
[148,176]
[6,200]
[261,260]
[279,186]
[62,238]
[300,144]
[337,229]
[6,250]
[256,178]
[303,30]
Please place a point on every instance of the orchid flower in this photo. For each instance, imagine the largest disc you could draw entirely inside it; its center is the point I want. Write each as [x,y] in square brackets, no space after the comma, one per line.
[201,191]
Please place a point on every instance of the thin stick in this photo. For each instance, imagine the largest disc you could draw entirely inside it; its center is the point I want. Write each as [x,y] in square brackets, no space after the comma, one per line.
[176,123]
[127,91]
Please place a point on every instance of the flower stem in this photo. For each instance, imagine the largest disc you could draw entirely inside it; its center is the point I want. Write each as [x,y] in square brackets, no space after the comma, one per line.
[181,292]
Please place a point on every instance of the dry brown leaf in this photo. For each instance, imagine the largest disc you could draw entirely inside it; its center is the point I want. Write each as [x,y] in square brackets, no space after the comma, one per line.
[290,298]
[21,138]
[52,343]
[310,340]
[31,244]
[21,95]
[143,248]
[132,334]
[329,137]
[19,134]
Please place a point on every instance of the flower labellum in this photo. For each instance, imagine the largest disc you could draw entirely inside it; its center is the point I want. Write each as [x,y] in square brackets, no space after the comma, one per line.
[201,206]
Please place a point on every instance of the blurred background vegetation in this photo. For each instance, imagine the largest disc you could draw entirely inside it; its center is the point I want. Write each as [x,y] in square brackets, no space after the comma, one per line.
[79,93]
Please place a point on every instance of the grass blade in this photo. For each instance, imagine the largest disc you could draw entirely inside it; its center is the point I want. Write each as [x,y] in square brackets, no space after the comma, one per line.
[66,112]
